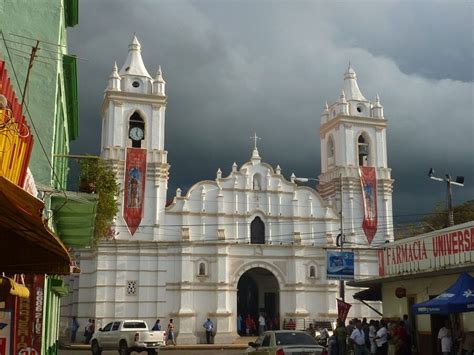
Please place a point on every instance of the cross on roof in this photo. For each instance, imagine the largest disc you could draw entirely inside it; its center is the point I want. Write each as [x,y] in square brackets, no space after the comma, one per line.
[255,139]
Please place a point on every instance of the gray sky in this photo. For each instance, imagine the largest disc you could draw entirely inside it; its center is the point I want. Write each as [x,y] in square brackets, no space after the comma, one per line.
[237,67]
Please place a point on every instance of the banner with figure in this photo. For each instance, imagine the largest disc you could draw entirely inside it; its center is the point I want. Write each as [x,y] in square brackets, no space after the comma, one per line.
[368,181]
[134,188]
[342,309]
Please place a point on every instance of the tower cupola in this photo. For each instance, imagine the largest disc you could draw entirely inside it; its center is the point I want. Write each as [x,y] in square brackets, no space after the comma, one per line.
[377,108]
[114,80]
[159,83]
[343,106]
[325,114]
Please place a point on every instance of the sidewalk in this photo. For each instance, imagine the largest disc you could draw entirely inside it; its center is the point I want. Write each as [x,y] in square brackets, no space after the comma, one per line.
[240,343]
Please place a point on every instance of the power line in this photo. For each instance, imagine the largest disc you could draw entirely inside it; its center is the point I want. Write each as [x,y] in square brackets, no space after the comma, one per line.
[31,119]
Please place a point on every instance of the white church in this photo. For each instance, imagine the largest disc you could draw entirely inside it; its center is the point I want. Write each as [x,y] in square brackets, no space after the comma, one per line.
[248,241]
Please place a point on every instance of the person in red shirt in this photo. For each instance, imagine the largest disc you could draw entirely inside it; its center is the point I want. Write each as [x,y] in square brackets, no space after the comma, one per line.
[250,325]
[402,343]
[291,325]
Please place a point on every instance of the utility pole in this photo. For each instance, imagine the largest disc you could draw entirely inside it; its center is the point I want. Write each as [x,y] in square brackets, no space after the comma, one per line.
[449,181]
[341,241]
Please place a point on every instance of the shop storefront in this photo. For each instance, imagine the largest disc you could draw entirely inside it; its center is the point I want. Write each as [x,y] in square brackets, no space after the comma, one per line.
[29,250]
[418,269]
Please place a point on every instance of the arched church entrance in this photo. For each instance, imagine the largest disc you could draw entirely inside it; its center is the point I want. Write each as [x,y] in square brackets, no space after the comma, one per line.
[258,292]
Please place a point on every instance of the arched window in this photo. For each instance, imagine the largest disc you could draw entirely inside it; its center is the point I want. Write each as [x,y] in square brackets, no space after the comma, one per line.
[363,150]
[136,130]
[257,231]
[257,182]
[330,151]
[202,269]
[312,271]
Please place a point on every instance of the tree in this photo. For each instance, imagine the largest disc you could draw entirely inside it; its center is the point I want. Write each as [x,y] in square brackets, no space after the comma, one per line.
[437,219]
[96,177]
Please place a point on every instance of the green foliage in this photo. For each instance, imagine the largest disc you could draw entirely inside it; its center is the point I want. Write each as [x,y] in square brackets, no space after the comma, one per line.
[96,177]
[438,219]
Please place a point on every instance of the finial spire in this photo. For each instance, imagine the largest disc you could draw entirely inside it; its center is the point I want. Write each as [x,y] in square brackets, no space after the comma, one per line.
[255,139]
[326,107]
[255,154]
[134,63]
[343,97]
[350,85]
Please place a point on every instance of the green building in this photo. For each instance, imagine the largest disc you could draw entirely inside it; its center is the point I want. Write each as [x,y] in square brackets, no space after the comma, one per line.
[51,97]
[51,107]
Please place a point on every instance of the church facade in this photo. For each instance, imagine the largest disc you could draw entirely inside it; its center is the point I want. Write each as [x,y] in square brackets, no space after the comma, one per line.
[248,241]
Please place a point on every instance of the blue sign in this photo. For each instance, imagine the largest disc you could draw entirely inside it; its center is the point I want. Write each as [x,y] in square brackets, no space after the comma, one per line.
[340,265]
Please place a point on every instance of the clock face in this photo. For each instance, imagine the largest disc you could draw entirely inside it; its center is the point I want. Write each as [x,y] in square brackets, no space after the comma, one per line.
[136,133]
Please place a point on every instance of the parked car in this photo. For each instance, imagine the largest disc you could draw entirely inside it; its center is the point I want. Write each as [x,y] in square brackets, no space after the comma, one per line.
[286,342]
[127,336]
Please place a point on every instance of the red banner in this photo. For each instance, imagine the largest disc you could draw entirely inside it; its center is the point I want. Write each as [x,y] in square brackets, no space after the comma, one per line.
[381,263]
[29,317]
[342,309]
[134,192]
[368,181]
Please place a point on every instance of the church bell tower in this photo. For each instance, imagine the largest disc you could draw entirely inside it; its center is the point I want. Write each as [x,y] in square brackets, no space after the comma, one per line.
[133,139]
[353,141]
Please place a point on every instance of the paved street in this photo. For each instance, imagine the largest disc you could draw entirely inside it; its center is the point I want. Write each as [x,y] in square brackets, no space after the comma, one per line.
[170,352]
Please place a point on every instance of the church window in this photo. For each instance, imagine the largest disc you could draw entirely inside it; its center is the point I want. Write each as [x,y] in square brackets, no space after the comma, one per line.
[363,150]
[136,130]
[360,108]
[136,84]
[257,231]
[131,288]
[312,272]
[330,151]
[257,182]
[202,269]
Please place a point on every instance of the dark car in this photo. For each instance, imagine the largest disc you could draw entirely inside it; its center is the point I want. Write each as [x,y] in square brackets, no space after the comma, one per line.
[286,342]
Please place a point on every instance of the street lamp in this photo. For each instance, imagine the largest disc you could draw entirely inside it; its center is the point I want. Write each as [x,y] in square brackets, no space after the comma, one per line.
[340,238]
[458,182]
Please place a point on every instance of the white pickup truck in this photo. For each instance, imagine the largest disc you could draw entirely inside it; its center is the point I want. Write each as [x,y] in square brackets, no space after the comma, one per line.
[127,336]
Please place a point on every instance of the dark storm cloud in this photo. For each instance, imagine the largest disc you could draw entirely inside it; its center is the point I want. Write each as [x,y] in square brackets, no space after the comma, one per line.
[238,67]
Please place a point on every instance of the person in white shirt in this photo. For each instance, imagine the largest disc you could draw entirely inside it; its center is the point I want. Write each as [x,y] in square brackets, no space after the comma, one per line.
[381,339]
[261,324]
[358,339]
[445,338]
[372,331]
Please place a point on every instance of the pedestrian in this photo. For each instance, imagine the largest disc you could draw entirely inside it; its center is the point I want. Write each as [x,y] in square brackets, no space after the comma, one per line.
[341,334]
[365,328]
[458,336]
[261,324]
[372,331]
[250,325]
[170,333]
[209,326]
[358,339]
[91,331]
[445,338]
[311,331]
[74,328]
[402,340]
[381,339]
[87,330]
[332,344]
[410,330]
[239,324]
[157,325]
[291,325]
